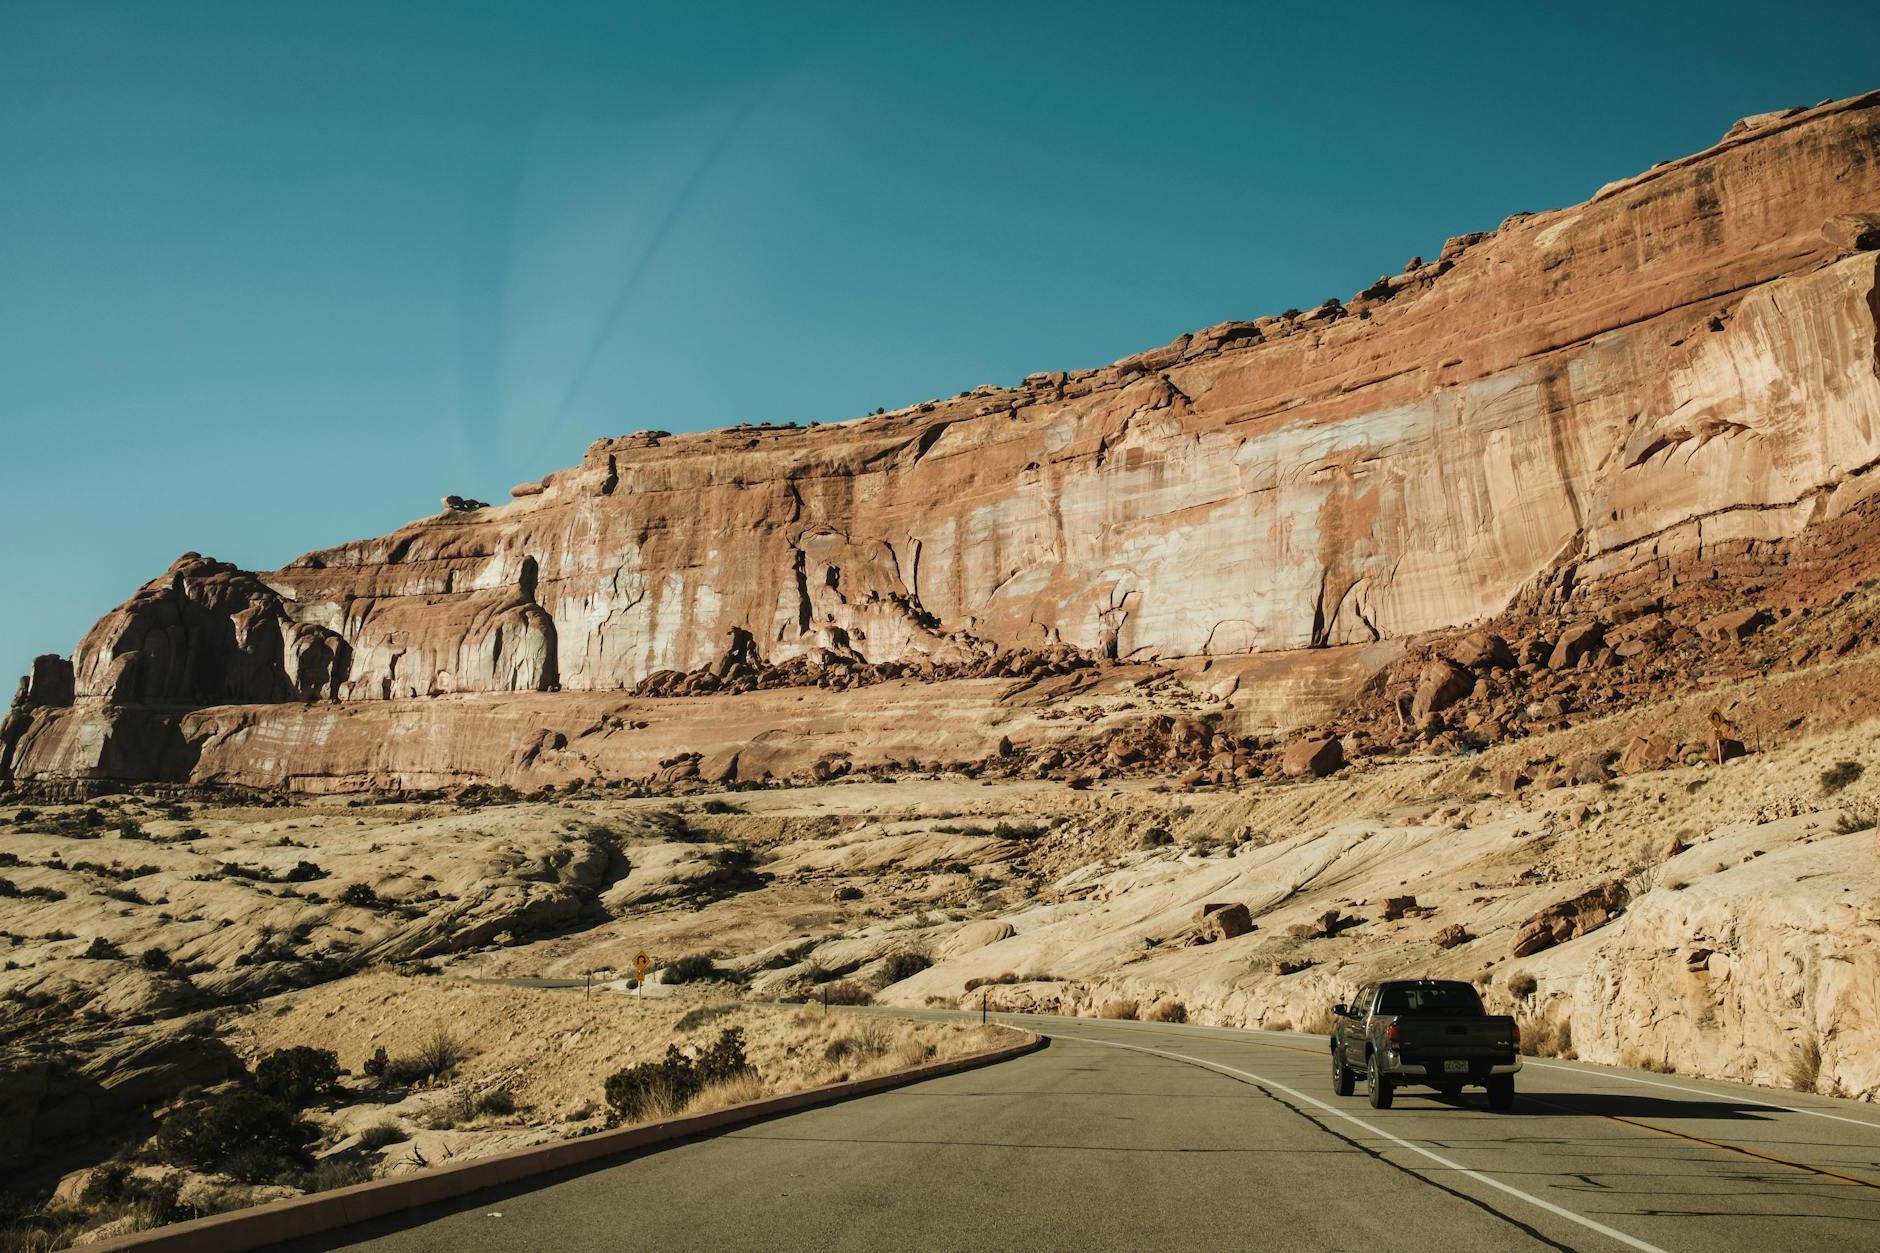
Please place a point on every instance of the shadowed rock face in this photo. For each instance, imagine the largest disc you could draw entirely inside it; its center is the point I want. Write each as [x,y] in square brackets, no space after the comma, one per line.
[1598,394]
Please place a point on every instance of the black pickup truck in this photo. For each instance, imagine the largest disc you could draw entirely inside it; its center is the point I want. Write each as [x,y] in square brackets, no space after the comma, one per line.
[1431,1032]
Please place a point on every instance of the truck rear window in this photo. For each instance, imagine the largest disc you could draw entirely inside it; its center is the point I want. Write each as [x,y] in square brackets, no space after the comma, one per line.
[1430,998]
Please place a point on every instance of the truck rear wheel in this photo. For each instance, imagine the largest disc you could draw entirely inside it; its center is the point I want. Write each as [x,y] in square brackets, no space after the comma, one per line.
[1382,1089]
[1501,1092]
[1341,1075]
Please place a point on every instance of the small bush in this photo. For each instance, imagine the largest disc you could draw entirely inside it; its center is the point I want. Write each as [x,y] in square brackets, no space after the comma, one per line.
[375,1065]
[303,872]
[847,892]
[901,966]
[1839,775]
[381,1133]
[154,959]
[1156,837]
[361,896]
[101,949]
[664,1087]
[718,806]
[243,1133]
[440,1054]
[108,1184]
[1522,984]
[298,1076]
[843,992]
[1805,1066]
[332,1172]
[1168,1011]
[691,968]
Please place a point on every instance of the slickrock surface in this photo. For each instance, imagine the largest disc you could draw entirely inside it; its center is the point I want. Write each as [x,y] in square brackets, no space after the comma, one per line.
[1610,396]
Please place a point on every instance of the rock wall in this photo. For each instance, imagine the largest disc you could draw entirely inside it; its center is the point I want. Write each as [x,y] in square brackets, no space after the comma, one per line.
[1686,361]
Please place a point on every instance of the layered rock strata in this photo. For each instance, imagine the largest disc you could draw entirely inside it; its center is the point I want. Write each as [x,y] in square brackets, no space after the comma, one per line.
[1608,394]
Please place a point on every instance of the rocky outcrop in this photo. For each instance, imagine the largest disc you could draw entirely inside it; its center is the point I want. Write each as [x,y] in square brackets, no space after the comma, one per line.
[1681,367]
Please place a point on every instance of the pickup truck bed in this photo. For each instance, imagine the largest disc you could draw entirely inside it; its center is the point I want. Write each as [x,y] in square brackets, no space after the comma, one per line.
[1426,1032]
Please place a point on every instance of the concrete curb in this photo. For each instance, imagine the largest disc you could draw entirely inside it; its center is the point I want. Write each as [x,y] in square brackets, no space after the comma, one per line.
[302,1216]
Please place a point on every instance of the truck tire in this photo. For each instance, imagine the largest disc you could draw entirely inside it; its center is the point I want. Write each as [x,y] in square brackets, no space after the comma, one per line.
[1501,1092]
[1382,1089]
[1342,1083]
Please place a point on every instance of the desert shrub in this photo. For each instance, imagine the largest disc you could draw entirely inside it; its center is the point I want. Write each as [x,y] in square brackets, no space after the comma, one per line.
[243,1133]
[361,896]
[154,959]
[375,1065]
[1850,822]
[1125,1010]
[101,948]
[1156,837]
[332,1172]
[690,969]
[1018,830]
[904,965]
[297,1076]
[1168,1011]
[498,1101]
[651,1089]
[664,1087]
[717,806]
[1522,984]
[1839,775]
[848,892]
[1805,1065]
[844,992]
[108,1184]
[381,1133]
[303,872]
[438,1055]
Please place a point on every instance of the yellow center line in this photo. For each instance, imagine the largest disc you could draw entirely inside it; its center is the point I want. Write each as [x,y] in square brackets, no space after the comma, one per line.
[1716,1144]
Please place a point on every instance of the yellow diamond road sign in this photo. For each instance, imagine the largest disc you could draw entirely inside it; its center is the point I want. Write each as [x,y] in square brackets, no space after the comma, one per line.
[640,963]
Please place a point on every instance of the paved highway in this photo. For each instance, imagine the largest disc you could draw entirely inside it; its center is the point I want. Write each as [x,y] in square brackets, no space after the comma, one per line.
[1140,1135]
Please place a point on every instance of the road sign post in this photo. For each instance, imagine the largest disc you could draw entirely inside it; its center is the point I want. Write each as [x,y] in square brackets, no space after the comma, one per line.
[641,964]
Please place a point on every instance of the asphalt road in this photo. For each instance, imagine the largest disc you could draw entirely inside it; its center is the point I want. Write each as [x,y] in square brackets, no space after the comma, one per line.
[1143,1136]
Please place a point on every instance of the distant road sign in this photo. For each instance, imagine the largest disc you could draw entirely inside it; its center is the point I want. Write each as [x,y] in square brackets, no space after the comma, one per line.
[641,964]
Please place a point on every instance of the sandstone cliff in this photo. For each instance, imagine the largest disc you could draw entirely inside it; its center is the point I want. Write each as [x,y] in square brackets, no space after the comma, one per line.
[1685,365]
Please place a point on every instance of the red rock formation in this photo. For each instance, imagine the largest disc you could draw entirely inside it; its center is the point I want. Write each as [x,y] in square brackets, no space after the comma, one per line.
[1593,396]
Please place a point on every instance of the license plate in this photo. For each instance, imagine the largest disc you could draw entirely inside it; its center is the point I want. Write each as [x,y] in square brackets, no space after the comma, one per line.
[1453,1067]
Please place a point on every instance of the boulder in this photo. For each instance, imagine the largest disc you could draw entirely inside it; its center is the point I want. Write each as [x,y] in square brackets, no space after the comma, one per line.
[1734,627]
[1575,644]
[1316,757]
[1223,920]
[1452,936]
[1440,685]
[1482,650]
[1570,918]
[1852,232]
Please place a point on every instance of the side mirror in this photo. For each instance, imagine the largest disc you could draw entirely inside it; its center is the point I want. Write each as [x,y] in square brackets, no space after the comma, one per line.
[1342,1010]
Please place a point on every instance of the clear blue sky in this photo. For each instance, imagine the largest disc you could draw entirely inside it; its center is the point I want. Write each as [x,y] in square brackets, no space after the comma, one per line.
[274,276]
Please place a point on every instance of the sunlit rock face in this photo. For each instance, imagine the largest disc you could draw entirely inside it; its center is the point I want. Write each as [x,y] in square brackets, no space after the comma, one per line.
[1602,393]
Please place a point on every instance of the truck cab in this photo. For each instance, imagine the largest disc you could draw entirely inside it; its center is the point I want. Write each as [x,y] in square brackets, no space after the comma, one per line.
[1424,1032]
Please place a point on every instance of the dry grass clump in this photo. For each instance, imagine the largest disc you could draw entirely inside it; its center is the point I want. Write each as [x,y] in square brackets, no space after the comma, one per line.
[1124,1010]
[1168,1011]
[1805,1066]
[1548,1037]
[1522,984]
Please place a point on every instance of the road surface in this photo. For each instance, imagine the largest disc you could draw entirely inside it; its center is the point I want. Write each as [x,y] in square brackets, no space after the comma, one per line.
[1142,1135]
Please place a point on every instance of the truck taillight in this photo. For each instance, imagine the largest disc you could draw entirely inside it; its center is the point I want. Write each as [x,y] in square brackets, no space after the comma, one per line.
[1514,1034]
[1392,1034]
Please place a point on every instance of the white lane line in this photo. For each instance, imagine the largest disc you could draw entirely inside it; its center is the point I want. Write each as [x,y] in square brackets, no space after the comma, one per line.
[1589,1223]
[1746,1097]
